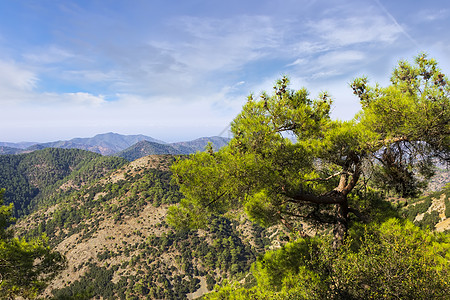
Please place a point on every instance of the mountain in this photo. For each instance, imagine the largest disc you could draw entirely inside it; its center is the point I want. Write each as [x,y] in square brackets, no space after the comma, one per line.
[130,147]
[105,144]
[30,179]
[145,148]
[10,150]
[200,144]
[118,245]
[22,145]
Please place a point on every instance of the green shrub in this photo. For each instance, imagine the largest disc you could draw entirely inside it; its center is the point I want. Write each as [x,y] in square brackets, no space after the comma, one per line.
[394,260]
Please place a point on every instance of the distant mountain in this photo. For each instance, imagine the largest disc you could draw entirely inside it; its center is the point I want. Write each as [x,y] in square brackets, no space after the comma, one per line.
[105,144]
[145,148]
[21,145]
[200,144]
[10,150]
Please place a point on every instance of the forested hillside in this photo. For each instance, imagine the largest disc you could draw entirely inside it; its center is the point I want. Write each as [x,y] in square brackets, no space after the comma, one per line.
[430,211]
[10,150]
[118,244]
[30,179]
[145,148]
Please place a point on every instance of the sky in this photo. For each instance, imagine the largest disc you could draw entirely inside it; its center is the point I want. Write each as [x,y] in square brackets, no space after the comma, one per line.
[182,69]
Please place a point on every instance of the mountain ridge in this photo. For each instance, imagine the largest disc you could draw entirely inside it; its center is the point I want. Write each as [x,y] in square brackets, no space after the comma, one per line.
[105,143]
[112,143]
[144,148]
[19,145]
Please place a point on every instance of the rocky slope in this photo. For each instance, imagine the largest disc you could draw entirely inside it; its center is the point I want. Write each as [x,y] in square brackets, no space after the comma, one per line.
[118,245]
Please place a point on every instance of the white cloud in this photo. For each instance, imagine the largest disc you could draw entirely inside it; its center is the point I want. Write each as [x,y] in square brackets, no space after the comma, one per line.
[16,77]
[92,76]
[431,15]
[225,44]
[310,47]
[298,61]
[48,55]
[167,119]
[85,99]
[340,58]
[16,82]
[356,30]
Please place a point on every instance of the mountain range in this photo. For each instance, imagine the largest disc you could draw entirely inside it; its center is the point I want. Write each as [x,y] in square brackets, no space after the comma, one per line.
[130,147]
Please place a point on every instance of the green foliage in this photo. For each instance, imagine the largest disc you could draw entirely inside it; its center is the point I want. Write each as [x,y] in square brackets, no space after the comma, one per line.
[414,110]
[271,269]
[258,162]
[396,260]
[26,267]
[289,162]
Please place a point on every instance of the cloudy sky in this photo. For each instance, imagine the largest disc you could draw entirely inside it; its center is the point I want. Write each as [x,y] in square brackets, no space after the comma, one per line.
[181,69]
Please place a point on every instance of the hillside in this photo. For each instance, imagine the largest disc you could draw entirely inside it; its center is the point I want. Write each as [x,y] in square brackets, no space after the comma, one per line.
[10,150]
[118,245]
[32,177]
[145,148]
[432,210]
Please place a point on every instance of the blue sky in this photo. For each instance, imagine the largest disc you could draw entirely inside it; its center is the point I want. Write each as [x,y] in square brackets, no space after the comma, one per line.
[178,70]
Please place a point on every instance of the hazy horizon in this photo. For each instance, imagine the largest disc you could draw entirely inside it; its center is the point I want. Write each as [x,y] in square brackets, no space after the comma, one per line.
[84,137]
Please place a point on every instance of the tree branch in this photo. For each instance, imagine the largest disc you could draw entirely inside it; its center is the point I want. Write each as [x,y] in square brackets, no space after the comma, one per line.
[329,177]
[214,200]
[358,214]
[332,197]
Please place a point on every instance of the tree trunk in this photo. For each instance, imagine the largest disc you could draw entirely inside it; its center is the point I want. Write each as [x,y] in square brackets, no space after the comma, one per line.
[341,227]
